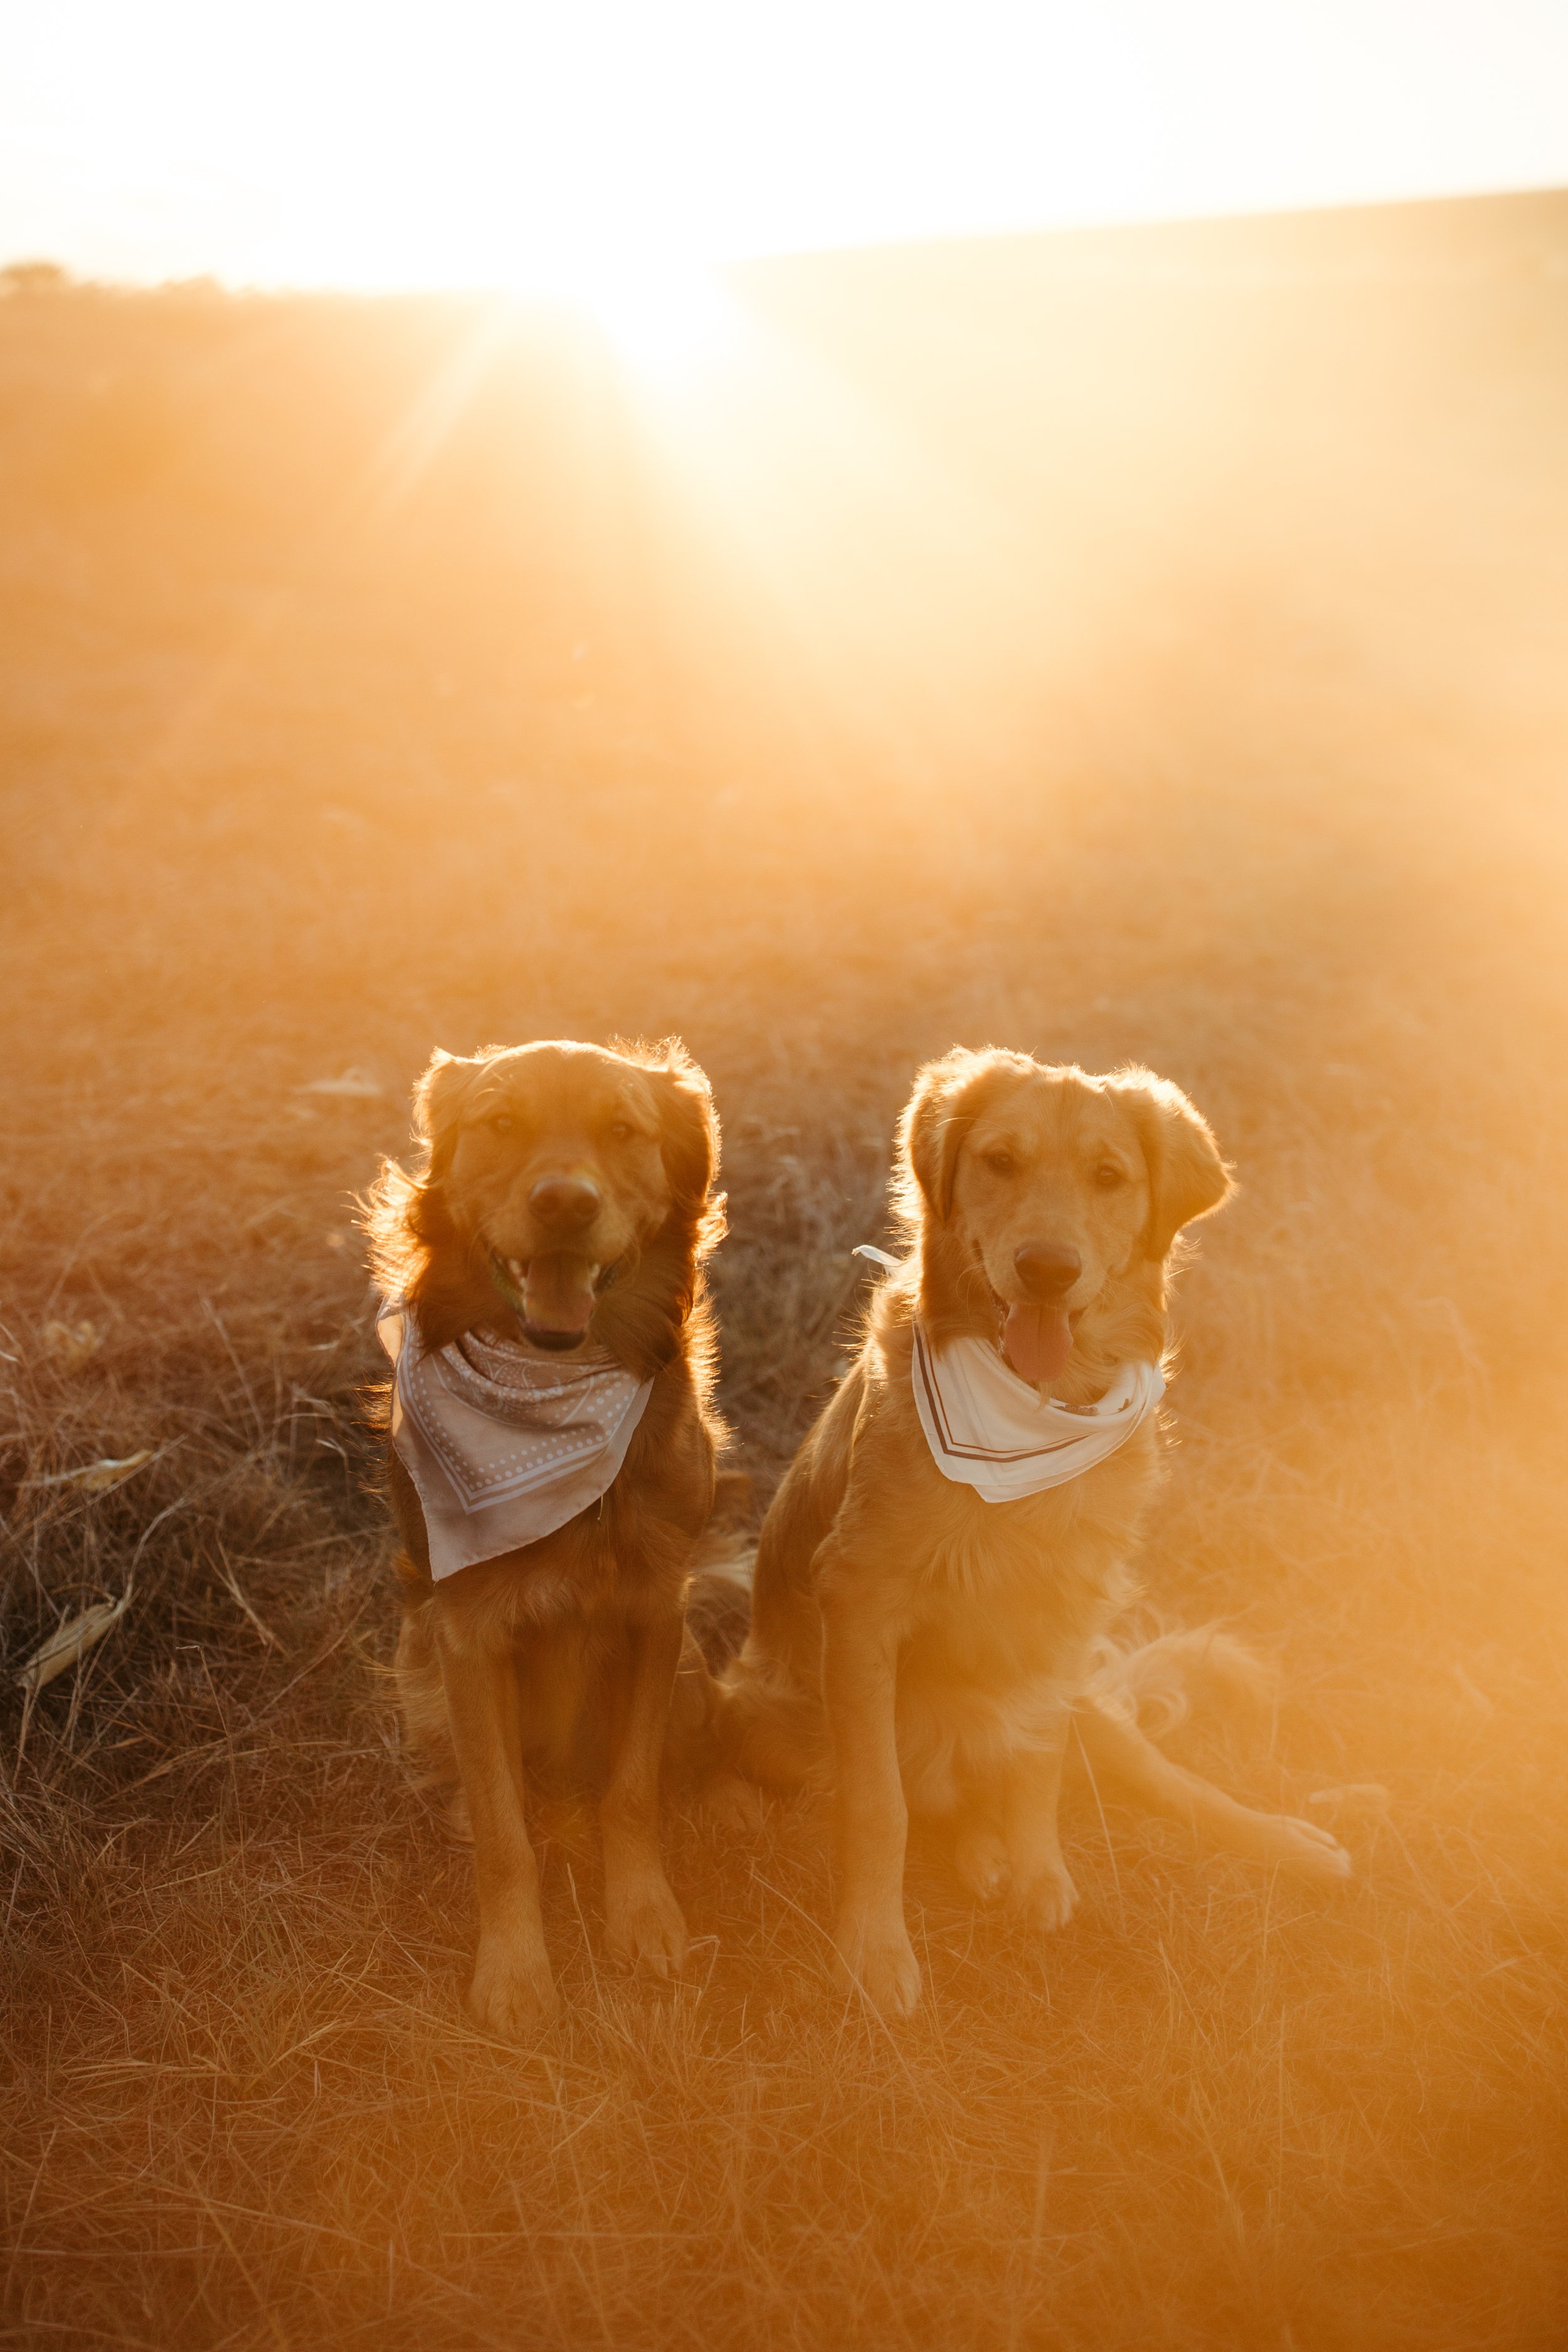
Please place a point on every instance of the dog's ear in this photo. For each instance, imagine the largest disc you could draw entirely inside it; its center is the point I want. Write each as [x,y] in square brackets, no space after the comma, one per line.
[688,1136]
[1187,1178]
[949,1097]
[439,1098]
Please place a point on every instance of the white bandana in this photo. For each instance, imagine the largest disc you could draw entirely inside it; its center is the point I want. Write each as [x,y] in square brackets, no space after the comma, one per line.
[990,1430]
[504,1442]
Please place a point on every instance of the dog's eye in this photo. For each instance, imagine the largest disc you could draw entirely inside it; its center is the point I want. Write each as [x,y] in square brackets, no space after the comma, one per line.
[1106,1177]
[1001,1163]
[501,1124]
[620,1131]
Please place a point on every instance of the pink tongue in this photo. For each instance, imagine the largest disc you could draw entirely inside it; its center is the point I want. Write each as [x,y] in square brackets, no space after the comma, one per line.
[1037,1341]
[558,1293]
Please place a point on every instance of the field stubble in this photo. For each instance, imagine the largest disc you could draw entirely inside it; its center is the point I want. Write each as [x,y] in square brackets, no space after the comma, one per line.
[290,804]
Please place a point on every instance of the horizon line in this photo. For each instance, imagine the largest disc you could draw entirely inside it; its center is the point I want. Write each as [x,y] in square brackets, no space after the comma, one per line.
[689,264]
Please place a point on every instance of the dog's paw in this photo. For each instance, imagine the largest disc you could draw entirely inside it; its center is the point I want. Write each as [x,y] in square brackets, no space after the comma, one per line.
[1308,1851]
[983,1862]
[1050,1901]
[513,1994]
[734,1803]
[879,1961]
[644,1929]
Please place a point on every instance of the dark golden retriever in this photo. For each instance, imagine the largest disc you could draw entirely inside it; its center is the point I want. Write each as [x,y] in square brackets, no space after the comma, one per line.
[559,1221]
[917,1641]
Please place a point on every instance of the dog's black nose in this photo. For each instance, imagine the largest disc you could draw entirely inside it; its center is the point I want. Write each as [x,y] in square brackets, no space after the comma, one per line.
[565,1202]
[1047,1270]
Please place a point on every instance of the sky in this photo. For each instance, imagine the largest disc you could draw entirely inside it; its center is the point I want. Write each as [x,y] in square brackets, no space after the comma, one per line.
[403,144]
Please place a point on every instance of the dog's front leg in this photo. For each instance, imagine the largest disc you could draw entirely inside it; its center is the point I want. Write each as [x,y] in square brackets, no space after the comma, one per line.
[512,1992]
[860,1688]
[1031,1794]
[643,1925]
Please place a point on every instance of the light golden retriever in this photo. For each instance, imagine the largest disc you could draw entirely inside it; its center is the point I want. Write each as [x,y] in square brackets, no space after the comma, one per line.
[568,1196]
[923,1646]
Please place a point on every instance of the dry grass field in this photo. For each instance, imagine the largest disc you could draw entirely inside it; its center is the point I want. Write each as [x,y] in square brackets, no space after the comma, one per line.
[1144,644]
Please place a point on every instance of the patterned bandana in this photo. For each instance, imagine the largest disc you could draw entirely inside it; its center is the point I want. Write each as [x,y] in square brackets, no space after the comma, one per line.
[504,1442]
[990,1430]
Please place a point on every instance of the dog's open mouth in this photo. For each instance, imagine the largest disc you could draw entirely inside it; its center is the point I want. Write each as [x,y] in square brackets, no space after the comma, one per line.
[552,1296]
[1035,1339]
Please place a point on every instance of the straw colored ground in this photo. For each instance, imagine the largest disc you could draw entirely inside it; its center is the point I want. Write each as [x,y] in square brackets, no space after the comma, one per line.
[1143,646]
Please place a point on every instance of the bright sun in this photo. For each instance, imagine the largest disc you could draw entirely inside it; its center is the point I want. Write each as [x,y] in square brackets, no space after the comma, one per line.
[668,319]
[394,147]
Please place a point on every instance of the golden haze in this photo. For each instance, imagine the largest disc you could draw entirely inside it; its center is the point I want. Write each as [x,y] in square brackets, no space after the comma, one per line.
[1141,644]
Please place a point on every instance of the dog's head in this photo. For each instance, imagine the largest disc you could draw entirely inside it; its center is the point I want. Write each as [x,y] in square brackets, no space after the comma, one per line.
[560,1176]
[1038,1193]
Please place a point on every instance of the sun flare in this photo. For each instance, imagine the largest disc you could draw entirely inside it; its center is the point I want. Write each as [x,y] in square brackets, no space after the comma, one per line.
[668,319]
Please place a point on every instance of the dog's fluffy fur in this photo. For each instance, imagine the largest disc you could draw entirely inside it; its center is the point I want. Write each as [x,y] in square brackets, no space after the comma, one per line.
[920,1647]
[565,1655]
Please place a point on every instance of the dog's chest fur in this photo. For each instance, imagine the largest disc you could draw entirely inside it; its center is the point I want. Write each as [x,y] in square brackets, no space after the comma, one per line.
[1009,1598]
[1005,1585]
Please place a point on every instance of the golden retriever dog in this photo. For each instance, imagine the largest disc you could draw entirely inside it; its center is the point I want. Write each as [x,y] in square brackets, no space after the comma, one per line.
[919,1642]
[554,1239]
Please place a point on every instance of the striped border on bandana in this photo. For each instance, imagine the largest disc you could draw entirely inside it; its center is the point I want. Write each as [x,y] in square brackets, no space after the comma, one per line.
[924,1371]
[991,1430]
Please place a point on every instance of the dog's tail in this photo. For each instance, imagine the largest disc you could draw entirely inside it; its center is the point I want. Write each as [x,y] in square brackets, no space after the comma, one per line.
[758,1723]
[718,1619]
[1153,1686]
[719,1597]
